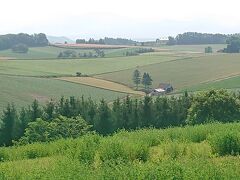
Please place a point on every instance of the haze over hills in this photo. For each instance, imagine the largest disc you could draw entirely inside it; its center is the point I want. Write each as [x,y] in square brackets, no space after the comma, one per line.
[121,18]
[59,39]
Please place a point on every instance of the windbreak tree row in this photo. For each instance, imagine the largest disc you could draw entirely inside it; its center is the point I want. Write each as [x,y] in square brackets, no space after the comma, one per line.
[68,116]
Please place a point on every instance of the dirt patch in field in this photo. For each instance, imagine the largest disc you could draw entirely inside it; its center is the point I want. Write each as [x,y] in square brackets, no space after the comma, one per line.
[40,98]
[6,58]
[103,84]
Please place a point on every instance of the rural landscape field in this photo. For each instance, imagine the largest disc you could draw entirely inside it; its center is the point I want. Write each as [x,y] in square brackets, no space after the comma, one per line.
[186,68]
[119,90]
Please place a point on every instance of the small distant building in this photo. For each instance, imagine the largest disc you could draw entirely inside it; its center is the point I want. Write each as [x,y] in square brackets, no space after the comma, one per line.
[162,40]
[162,89]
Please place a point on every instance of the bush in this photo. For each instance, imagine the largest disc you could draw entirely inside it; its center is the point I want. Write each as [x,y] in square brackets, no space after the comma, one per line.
[118,150]
[208,49]
[112,150]
[67,54]
[225,144]
[85,149]
[61,127]
[78,74]
[36,151]
[213,105]
[4,156]
[174,150]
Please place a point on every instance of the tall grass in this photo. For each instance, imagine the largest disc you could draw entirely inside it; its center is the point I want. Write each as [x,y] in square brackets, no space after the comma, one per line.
[197,152]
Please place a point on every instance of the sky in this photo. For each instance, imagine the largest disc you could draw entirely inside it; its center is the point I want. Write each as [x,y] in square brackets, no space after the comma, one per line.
[135,19]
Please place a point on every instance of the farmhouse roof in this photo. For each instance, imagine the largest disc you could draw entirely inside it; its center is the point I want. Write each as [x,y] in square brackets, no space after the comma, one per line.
[159,90]
[164,86]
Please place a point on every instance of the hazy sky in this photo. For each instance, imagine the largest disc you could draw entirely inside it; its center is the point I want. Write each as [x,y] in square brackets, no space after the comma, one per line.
[134,19]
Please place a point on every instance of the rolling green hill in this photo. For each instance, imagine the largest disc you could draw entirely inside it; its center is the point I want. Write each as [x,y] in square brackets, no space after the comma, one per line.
[183,73]
[178,65]
[227,83]
[23,90]
[51,52]
[71,66]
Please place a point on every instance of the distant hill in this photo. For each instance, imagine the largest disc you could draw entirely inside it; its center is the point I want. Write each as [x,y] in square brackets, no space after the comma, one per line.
[59,39]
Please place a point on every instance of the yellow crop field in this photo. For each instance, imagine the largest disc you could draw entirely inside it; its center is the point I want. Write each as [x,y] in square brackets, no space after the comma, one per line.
[103,84]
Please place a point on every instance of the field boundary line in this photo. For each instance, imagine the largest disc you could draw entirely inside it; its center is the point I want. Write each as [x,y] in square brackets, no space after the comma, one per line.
[215,80]
[85,84]
[180,59]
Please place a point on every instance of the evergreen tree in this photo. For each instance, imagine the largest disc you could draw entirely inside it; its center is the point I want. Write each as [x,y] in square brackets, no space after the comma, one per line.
[126,112]
[49,111]
[60,106]
[73,107]
[147,113]
[146,81]
[9,129]
[135,116]
[103,123]
[162,110]
[24,119]
[117,114]
[66,109]
[136,78]
[36,111]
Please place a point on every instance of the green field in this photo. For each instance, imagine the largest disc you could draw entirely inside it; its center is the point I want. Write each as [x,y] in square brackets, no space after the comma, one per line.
[184,73]
[23,90]
[71,66]
[228,83]
[194,48]
[50,52]
[18,84]
[180,66]
[199,152]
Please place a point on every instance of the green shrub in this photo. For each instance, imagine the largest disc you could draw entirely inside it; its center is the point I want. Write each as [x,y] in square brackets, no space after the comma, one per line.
[85,149]
[36,151]
[112,150]
[116,149]
[226,143]
[164,170]
[199,151]
[198,135]
[4,155]
[174,150]
[2,176]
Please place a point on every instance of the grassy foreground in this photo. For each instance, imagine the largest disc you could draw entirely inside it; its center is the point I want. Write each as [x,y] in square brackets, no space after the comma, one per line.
[199,152]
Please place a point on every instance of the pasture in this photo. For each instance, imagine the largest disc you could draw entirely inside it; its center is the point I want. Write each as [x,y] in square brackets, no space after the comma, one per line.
[183,73]
[51,52]
[227,83]
[90,46]
[22,80]
[68,67]
[47,52]
[194,48]
[23,90]
[198,152]
[25,80]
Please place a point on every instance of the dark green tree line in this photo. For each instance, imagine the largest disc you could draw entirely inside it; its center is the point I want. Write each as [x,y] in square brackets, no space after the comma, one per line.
[9,40]
[68,117]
